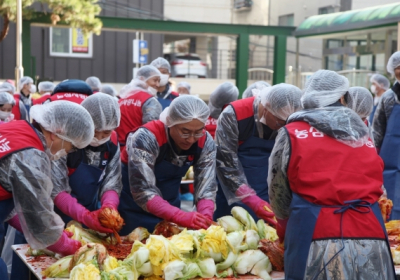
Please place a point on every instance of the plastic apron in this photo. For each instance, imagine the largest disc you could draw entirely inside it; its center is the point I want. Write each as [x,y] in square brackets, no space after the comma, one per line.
[253,155]
[300,229]
[168,180]
[85,183]
[390,153]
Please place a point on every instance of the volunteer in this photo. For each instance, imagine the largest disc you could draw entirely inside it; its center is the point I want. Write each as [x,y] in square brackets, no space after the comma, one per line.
[19,111]
[138,103]
[324,180]
[7,103]
[165,94]
[257,87]
[92,174]
[94,83]
[25,171]
[109,89]
[224,94]
[379,84]
[157,156]
[26,87]
[245,137]
[386,127]
[183,88]
[45,90]
[71,90]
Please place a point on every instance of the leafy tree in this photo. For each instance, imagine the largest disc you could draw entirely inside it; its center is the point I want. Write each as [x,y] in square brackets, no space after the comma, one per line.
[77,13]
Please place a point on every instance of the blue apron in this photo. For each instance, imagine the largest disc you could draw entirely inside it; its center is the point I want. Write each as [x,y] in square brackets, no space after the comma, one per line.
[164,102]
[19,269]
[390,153]
[300,230]
[168,180]
[371,116]
[85,183]
[253,155]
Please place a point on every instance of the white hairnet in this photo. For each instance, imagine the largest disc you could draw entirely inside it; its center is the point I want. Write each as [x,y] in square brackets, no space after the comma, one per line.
[160,62]
[147,72]
[393,63]
[255,87]
[360,100]
[46,86]
[281,100]
[184,85]
[94,83]
[104,110]
[7,87]
[323,88]
[184,109]
[25,80]
[6,98]
[109,89]
[224,94]
[381,80]
[67,120]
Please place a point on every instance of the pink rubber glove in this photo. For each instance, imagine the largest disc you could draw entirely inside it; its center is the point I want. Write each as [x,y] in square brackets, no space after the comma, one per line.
[259,206]
[70,206]
[110,199]
[162,209]
[65,246]
[281,229]
[14,222]
[206,207]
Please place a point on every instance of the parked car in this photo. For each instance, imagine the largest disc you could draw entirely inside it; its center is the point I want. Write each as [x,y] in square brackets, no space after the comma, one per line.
[186,65]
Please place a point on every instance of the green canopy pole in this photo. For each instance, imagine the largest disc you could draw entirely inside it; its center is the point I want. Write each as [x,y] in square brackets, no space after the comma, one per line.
[26,50]
[279,60]
[242,62]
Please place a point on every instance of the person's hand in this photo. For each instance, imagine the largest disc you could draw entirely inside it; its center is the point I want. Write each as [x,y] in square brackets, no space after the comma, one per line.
[65,246]
[91,220]
[206,207]
[192,220]
[260,207]
[110,199]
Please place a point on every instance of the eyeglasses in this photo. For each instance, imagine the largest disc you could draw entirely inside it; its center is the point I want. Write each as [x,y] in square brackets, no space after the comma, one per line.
[197,136]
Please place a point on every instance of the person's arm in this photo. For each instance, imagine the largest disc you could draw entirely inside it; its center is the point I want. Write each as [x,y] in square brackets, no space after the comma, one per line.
[142,148]
[229,169]
[205,184]
[151,110]
[112,184]
[29,176]
[381,117]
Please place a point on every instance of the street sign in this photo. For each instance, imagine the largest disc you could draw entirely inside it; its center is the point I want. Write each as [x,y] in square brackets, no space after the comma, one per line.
[140,51]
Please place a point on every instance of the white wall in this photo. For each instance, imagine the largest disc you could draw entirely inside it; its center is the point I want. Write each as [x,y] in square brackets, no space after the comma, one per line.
[360,4]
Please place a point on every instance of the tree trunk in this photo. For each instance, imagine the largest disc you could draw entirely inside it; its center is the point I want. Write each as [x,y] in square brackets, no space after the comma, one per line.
[6,27]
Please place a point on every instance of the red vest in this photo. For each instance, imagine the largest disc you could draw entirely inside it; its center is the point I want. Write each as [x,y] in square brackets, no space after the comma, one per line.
[158,129]
[14,137]
[41,99]
[324,171]
[245,117]
[69,96]
[211,126]
[15,110]
[131,114]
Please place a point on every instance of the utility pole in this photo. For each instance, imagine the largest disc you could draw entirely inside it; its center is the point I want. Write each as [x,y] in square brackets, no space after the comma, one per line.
[19,70]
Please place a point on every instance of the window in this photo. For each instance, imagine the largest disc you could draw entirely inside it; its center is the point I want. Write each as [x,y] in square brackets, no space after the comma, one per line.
[326,10]
[70,42]
[286,20]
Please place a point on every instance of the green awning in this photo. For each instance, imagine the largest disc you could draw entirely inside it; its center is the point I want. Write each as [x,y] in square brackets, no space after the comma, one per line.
[372,17]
